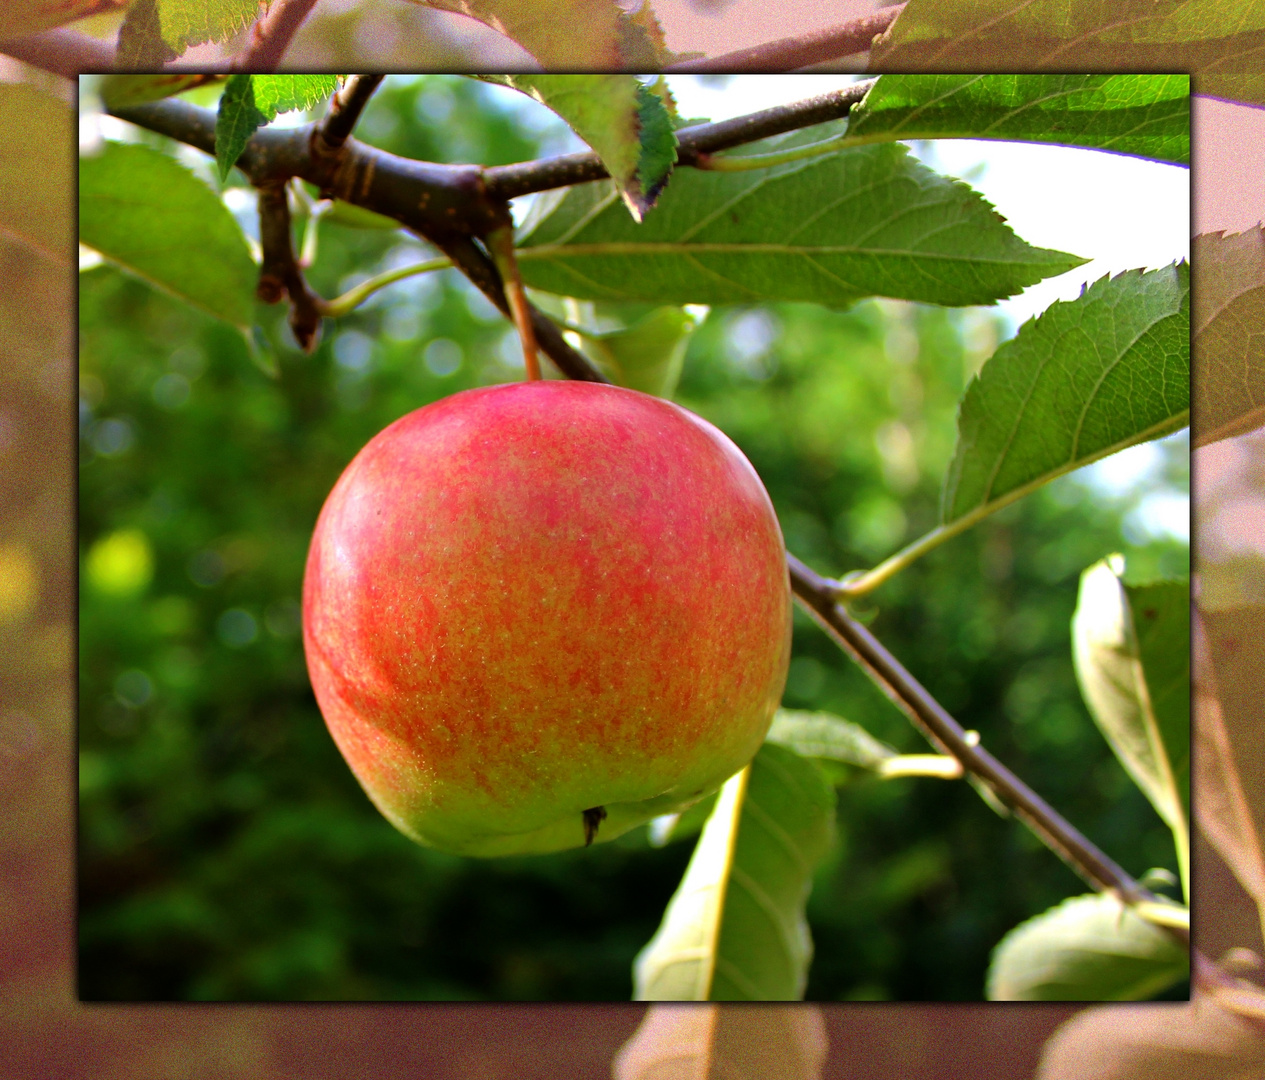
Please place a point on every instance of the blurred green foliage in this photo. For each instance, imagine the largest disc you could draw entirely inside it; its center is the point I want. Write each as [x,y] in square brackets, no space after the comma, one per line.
[226,852]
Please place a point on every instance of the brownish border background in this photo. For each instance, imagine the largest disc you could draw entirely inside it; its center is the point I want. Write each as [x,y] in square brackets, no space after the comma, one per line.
[46,1033]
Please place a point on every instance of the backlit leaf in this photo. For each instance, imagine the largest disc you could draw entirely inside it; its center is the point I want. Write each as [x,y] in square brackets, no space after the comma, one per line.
[1084,379]
[832,229]
[1144,115]
[735,928]
[1131,645]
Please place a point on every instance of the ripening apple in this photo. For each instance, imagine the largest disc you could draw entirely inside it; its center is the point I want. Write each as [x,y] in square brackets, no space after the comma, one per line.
[543,613]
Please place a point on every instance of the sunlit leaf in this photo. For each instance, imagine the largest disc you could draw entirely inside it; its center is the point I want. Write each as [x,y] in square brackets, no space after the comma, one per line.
[1131,645]
[250,101]
[1086,378]
[867,221]
[148,213]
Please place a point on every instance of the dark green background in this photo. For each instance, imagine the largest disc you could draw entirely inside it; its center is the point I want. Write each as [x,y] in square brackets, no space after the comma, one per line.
[226,852]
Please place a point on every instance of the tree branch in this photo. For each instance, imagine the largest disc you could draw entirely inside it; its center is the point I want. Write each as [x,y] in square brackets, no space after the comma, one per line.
[280,274]
[63,52]
[816,594]
[510,181]
[272,35]
[345,110]
[787,54]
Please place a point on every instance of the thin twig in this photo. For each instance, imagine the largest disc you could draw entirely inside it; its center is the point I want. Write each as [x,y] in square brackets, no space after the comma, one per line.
[272,35]
[67,53]
[787,54]
[816,593]
[280,274]
[510,181]
[345,110]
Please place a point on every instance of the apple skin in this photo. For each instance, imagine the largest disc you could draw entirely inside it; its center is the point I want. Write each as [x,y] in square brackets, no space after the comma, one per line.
[528,601]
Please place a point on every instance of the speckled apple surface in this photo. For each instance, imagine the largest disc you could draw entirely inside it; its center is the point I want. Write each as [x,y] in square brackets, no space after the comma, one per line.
[526,601]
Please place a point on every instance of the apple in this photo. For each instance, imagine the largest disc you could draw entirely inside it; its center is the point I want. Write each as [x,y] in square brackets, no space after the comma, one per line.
[543,613]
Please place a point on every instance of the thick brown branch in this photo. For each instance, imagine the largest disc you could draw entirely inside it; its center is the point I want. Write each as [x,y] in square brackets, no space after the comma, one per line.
[345,110]
[817,596]
[431,198]
[67,53]
[272,35]
[787,54]
[510,181]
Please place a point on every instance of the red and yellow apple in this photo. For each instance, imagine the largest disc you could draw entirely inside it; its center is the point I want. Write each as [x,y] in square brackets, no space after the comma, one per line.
[543,613]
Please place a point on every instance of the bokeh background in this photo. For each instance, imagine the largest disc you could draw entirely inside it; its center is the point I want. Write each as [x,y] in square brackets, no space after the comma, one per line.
[225,851]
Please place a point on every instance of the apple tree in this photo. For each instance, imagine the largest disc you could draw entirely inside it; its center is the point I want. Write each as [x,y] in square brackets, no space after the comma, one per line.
[802,239]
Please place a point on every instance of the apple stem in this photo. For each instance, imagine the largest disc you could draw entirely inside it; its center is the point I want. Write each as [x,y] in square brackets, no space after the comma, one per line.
[501,245]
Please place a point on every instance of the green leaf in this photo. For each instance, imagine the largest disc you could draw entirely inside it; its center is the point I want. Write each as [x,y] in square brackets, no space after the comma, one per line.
[18,17]
[1084,379]
[1052,35]
[1229,310]
[148,213]
[1131,647]
[735,928]
[118,91]
[1144,115]
[832,229]
[575,35]
[36,175]
[196,22]
[250,101]
[821,735]
[625,123]
[1088,948]
[648,354]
